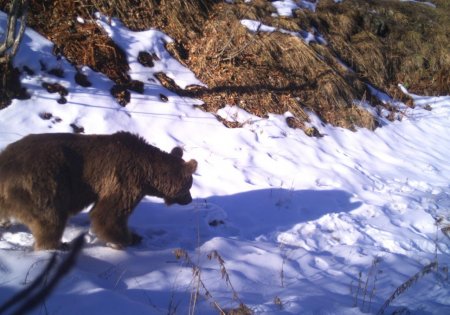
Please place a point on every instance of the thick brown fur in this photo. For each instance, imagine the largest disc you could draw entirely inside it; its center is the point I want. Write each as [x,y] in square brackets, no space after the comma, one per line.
[46,178]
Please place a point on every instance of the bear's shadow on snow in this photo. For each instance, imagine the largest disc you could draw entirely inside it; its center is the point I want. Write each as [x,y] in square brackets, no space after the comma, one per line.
[243,216]
[269,210]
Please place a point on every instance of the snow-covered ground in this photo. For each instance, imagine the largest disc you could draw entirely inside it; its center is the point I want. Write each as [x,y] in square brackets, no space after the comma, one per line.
[330,225]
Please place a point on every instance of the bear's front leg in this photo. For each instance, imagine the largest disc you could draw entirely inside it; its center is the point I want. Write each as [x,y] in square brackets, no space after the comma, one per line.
[111,225]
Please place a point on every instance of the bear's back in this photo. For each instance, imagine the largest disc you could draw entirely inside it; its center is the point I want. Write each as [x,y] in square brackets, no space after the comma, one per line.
[38,153]
[46,155]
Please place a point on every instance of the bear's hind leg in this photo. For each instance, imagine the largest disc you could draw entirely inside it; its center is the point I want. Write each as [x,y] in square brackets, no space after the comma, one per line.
[47,235]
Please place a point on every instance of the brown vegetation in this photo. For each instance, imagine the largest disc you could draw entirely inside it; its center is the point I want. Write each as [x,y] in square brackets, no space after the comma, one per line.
[390,42]
[381,43]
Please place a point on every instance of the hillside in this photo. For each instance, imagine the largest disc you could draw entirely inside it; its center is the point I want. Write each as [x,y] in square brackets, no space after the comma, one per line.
[325,57]
[354,220]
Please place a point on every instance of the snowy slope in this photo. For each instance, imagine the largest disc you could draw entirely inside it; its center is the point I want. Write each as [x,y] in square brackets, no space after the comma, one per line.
[302,224]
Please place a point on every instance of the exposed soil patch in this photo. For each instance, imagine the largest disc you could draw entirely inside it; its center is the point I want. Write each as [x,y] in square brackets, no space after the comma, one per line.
[57,72]
[146,59]
[163,98]
[76,128]
[121,94]
[55,88]
[49,116]
[82,80]
[45,116]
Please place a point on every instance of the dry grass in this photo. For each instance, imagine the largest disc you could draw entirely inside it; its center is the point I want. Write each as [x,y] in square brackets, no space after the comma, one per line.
[432,267]
[200,289]
[271,72]
[81,43]
[387,42]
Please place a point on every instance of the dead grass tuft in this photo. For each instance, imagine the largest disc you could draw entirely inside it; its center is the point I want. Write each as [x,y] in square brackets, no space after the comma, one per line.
[241,310]
[432,267]
[201,289]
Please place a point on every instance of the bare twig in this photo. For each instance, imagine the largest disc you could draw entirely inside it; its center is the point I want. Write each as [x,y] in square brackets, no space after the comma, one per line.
[8,48]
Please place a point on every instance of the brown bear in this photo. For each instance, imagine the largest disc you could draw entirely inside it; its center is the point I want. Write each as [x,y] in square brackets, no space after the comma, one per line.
[46,178]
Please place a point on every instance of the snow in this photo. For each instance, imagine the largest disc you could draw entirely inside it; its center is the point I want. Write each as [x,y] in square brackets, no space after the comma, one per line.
[256,26]
[430,4]
[298,221]
[286,7]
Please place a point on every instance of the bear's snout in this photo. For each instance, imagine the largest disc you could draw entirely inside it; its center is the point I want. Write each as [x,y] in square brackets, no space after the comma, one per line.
[183,200]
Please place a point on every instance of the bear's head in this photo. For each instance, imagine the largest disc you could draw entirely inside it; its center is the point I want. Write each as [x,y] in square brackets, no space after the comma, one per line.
[180,180]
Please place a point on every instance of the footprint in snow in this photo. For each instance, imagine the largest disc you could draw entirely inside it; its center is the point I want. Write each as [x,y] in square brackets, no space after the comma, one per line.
[321,264]
[216,220]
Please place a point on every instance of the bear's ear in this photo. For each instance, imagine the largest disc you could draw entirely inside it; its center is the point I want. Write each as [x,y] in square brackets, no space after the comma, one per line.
[177,151]
[190,167]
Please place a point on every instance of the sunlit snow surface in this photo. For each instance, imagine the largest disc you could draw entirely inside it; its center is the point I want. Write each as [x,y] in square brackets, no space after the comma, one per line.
[298,221]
